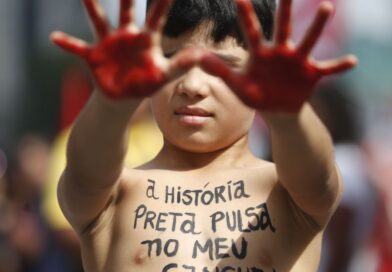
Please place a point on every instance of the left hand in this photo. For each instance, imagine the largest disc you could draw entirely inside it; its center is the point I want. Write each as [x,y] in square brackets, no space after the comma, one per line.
[281,77]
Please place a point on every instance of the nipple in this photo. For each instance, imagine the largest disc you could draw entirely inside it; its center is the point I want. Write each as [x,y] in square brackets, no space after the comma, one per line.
[265,258]
[140,256]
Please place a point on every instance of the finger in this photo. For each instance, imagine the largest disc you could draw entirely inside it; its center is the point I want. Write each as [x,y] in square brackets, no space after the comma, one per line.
[185,60]
[283,21]
[97,17]
[156,18]
[250,24]
[215,66]
[337,66]
[70,44]
[126,13]
[317,27]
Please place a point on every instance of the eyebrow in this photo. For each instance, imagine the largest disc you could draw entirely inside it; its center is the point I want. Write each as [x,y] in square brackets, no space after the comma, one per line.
[225,57]
[228,58]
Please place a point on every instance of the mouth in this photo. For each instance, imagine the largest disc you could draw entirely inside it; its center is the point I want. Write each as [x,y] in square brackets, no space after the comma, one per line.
[193,111]
[193,116]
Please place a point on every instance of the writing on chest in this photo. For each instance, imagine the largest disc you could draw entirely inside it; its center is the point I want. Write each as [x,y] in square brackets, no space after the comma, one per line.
[213,225]
[200,196]
[243,220]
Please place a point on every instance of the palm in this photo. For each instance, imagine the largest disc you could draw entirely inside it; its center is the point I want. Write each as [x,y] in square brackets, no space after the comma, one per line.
[124,64]
[280,77]
[127,62]
[264,88]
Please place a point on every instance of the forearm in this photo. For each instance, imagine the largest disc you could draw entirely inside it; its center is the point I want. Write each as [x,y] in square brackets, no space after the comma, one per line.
[303,152]
[98,142]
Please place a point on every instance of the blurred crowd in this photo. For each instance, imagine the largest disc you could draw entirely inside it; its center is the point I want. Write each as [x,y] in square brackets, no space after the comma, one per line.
[43,90]
[27,241]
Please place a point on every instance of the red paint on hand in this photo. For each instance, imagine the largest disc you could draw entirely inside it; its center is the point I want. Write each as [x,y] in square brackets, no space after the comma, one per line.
[123,65]
[127,63]
[281,77]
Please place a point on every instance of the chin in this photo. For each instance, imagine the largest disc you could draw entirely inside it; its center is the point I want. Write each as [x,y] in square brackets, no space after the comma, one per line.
[197,145]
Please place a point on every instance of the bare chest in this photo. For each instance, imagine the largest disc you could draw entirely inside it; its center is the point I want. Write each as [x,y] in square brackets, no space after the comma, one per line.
[240,224]
[216,226]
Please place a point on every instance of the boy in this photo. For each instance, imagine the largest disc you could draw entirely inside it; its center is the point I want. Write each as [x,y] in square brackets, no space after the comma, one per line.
[205,203]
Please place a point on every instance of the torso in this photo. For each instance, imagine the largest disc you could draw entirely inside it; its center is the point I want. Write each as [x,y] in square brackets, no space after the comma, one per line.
[238,220]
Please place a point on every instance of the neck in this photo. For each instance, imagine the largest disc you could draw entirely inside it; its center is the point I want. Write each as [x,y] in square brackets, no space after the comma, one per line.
[174,158]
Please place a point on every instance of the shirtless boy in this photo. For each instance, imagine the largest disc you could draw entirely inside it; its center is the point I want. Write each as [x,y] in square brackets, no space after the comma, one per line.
[205,203]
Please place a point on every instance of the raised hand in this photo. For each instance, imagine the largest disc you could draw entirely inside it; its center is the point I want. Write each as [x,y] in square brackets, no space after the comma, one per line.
[127,62]
[280,77]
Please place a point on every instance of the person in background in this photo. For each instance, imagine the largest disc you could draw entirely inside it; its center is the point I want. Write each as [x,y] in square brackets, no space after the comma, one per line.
[350,228]
[27,235]
[9,259]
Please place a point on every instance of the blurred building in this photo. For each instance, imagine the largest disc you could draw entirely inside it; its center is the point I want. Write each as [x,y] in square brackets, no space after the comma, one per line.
[12,67]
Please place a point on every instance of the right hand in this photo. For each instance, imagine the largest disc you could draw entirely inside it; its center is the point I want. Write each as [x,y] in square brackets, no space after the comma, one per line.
[128,62]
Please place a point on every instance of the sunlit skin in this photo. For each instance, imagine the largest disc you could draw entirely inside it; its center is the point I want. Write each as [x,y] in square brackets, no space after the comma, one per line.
[197,96]
[127,62]
[280,77]
[121,72]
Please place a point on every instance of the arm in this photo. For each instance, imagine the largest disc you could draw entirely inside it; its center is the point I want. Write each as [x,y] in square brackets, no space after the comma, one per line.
[278,81]
[128,65]
[303,152]
[95,154]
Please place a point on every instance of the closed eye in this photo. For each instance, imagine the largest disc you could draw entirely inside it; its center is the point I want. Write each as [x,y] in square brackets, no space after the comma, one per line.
[168,55]
[232,61]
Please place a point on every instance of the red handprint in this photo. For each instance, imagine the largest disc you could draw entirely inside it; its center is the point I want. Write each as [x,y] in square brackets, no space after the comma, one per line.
[281,77]
[128,62]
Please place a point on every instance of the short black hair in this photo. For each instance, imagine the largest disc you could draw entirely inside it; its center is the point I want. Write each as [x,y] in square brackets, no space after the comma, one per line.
[187,15]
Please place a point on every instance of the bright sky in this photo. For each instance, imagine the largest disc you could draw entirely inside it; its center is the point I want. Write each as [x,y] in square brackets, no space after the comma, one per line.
[112,7]
[370,19]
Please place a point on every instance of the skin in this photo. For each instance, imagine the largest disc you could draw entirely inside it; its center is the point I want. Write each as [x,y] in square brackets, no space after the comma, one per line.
[257,84]
[204,99]
[122,73]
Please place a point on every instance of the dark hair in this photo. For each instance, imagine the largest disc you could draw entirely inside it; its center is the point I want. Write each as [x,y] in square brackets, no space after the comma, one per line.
[187,15]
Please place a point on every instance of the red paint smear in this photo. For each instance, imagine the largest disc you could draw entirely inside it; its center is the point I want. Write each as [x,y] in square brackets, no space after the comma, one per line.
[157,12]
[124,67]
[97,19]
[75,91]
[125,12]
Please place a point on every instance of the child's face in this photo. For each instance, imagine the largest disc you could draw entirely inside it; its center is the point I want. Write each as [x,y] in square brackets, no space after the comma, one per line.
[198,112]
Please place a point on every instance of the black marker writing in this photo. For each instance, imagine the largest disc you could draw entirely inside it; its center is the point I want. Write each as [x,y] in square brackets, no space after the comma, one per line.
[258,218]
[170,247]
[219,248]
[191,268]
[220,194]
[150,193]
[161,221]
[169,266]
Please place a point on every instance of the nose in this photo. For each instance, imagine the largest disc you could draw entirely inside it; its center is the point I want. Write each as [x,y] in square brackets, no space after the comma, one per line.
[193,84]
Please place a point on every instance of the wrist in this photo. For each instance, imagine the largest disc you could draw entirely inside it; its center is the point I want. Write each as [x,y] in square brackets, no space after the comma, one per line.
[279,119]
[117,106]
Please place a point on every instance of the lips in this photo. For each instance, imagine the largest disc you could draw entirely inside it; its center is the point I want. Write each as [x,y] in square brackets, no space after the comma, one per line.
[193,116]
[193,111]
